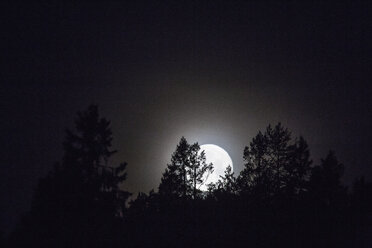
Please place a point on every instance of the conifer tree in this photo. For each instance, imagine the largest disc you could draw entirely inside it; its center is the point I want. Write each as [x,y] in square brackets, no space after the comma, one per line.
[275,163]
[185,174]
[80,201]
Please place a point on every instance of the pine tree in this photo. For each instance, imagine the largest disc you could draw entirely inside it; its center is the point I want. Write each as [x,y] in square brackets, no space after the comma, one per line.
[175,180]
[198,168]
[227,183]
[185,174]
[225,187]
[275,164]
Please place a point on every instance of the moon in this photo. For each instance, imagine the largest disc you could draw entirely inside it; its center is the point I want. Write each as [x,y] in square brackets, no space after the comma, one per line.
[220,160]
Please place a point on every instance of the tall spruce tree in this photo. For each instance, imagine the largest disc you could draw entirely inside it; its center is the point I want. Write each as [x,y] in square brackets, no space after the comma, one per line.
[78,204]
[87,153]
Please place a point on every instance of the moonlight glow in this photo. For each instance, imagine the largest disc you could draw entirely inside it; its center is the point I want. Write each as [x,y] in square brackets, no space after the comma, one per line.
[220,160]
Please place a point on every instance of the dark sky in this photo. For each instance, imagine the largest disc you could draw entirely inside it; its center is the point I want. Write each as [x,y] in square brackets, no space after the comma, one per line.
[214,72]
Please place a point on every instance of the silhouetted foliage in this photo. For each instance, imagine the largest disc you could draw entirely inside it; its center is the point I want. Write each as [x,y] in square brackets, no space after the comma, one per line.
[186,172]
[174,179]
[275,164]
[79,203]
[362,195]
[277,200]
[325,182]
[327,203]
[226,186]
[198,170]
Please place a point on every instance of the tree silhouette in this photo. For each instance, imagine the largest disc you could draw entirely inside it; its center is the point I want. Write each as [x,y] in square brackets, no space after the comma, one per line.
[184,175]
[329,204]
[78,204]
[225,187]
[198,169]
[362,195]
[275,164]
[174,180]
[278,198]
[223,195]
[87,153]
[325,181]
[228,181]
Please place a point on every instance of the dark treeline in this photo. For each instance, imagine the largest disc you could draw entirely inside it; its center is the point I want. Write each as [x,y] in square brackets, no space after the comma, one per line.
[279,199]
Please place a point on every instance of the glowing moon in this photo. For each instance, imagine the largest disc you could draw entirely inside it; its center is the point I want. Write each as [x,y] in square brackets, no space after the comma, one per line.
[220,160]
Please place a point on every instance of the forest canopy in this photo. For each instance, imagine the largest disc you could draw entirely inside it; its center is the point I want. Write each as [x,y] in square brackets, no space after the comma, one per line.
[279,199]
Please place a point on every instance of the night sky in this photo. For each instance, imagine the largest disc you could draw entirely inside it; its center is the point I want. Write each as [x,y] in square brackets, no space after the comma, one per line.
[214,72]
